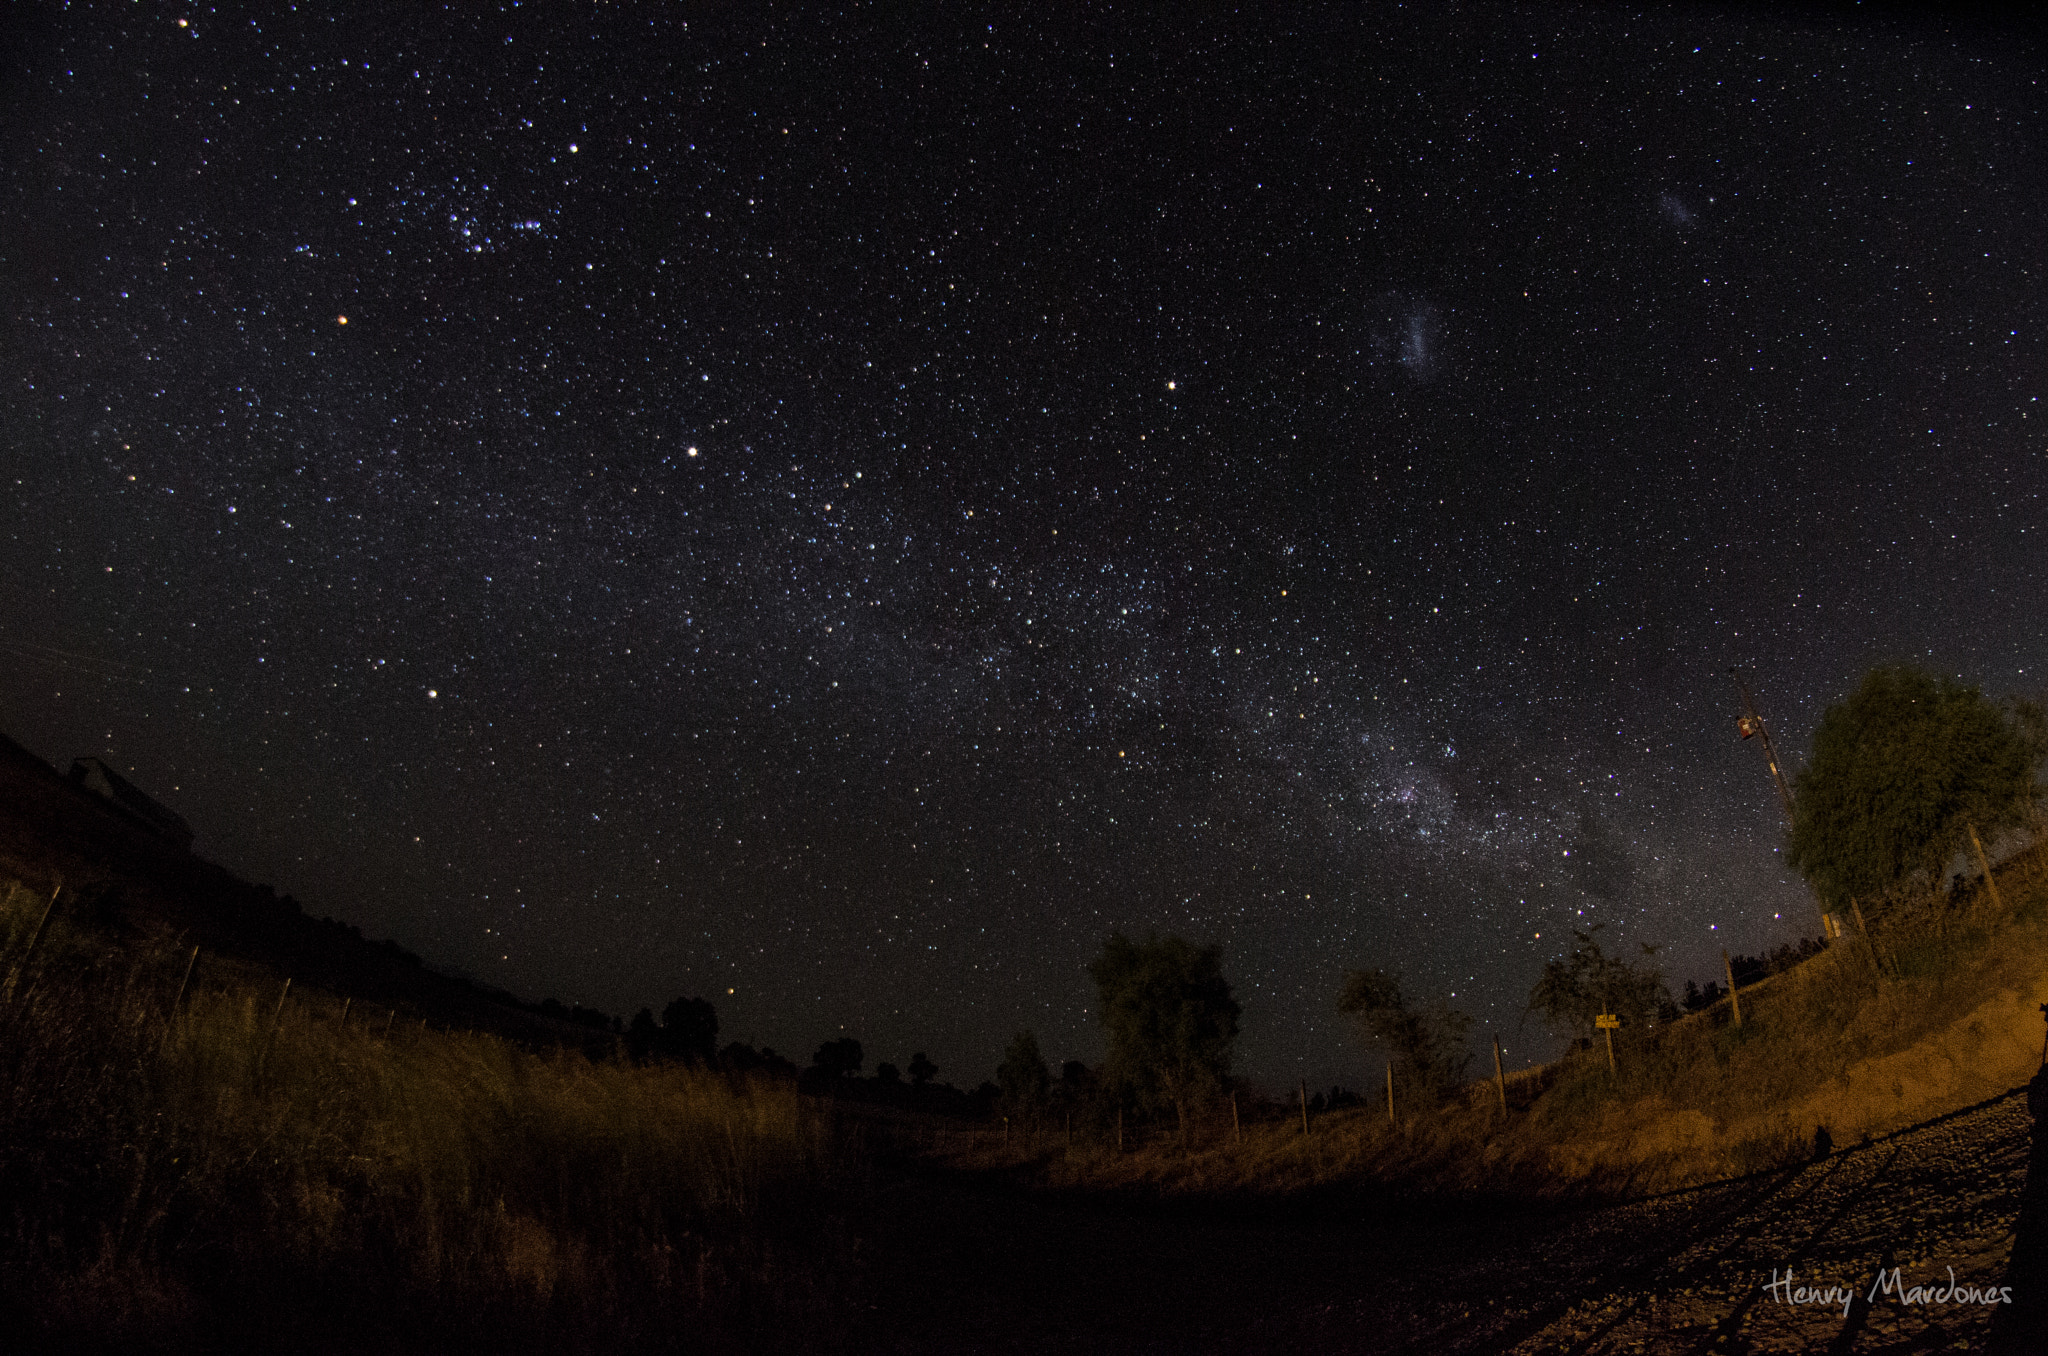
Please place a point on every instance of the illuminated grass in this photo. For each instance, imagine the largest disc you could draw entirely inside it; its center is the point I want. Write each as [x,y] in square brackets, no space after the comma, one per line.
[1864,1045]
[278,1174]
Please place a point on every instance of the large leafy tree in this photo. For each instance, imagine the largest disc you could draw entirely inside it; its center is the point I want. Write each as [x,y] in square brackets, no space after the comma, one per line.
[1900,772]
[1427,1045]
[1168,1019]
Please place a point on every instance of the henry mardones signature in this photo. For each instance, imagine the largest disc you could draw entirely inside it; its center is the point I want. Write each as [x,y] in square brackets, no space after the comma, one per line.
[1787,1290]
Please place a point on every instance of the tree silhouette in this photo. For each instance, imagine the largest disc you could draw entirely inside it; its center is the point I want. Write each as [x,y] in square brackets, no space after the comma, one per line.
[1168,1018]
[1427,1046]
[689,1030]
[1023,1078]
[838,1059]
[642,1036]
[1901,771]
[1572,991]
[922,1070]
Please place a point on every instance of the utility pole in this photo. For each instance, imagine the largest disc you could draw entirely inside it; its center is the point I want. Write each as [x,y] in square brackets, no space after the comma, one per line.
[1751,725]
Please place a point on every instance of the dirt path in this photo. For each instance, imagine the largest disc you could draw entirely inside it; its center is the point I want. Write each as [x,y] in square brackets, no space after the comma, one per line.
[966,1270]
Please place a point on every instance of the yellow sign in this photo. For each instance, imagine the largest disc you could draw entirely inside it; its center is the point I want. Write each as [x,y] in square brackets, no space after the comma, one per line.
[1608,1020]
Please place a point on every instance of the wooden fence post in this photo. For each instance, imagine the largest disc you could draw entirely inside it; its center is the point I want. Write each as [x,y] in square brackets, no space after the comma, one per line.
[1390,1091]
[1237,1130]
[182,985]
[1499,1079]
[1304,1106]
[21,966]
[1734,1002]
[1990,882]
[1869,942]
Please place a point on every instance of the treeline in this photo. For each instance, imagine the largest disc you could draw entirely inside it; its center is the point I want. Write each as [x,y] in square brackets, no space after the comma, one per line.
[687,1033]
[1170,1022]
[1752,970]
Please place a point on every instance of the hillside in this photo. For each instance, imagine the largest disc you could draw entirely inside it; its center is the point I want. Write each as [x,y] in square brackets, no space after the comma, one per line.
[116,873]
[458,1181]
[1875,1034]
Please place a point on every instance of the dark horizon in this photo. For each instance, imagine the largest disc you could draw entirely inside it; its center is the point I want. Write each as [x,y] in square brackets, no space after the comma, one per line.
[834,515]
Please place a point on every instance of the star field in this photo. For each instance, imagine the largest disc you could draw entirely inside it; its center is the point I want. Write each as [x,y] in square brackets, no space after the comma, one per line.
[834,513]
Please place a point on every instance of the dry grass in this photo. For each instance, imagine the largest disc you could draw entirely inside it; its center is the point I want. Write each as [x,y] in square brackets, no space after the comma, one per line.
[250,1175]
[1863,1040]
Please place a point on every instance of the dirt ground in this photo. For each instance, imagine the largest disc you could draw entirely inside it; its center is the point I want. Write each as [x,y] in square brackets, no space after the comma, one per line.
[980,1268]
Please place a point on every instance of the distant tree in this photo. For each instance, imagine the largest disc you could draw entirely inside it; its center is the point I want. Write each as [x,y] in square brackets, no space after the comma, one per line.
[1168,1017]
[1025,1081]
[1900,772]
[591,1017]
[1426,1045]
[741,1058]
[922,1070]
[888,1073]
[689,1030]
[1075,1091]
[1697,998]
[838,1059]
[642,1036]
[1575,989]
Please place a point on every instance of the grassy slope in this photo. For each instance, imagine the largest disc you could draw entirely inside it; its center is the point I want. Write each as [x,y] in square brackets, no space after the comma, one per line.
[265,1175]
[130,884]
[164,1181]
[1952,1020]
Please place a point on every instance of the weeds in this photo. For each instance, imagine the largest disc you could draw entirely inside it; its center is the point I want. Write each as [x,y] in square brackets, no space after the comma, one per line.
[248,1175]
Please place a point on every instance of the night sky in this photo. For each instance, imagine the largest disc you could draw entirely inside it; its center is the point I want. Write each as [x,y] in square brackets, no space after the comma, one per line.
[835,514]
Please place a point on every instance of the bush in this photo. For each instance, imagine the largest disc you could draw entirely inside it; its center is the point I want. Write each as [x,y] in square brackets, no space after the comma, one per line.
[1427,1046]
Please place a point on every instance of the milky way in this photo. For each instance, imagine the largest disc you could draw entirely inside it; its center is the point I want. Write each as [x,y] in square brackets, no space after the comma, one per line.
[835,514]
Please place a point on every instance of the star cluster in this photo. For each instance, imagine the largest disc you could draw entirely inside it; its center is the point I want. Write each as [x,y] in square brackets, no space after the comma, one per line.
[835,512]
